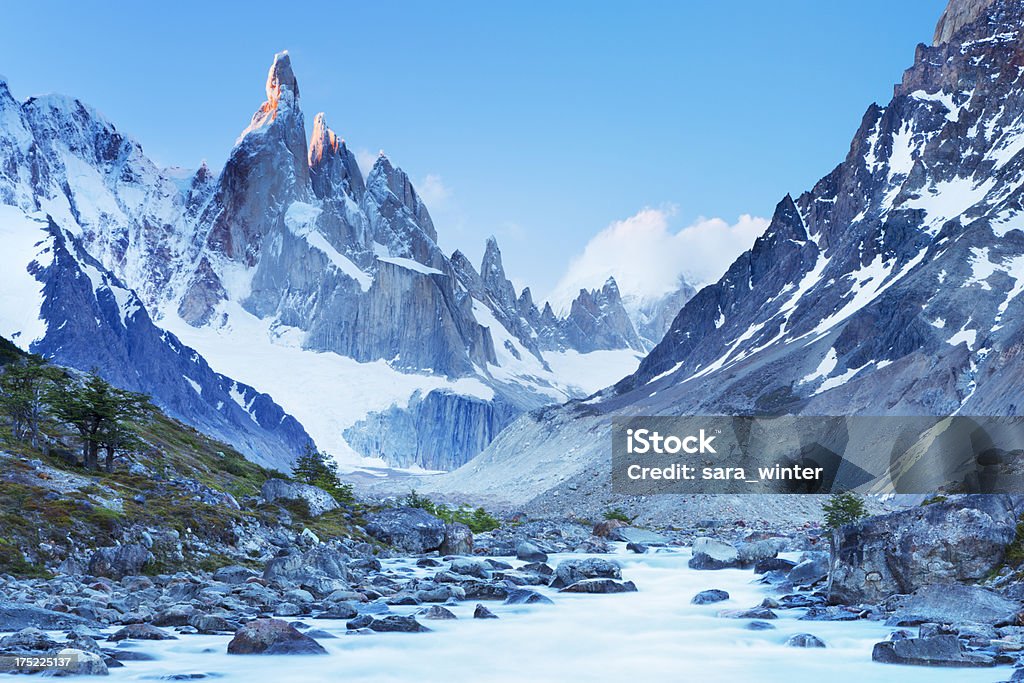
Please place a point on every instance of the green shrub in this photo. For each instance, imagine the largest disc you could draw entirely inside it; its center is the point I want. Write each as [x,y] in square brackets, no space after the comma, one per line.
[617,514]
[478,520]
[843,508]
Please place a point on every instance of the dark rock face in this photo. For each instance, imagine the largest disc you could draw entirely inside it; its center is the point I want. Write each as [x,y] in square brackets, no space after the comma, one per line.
[961,539]
[409,529]
[935,651]
[119,561]
[439,431]
[272,637]
[317,500]
[709,596]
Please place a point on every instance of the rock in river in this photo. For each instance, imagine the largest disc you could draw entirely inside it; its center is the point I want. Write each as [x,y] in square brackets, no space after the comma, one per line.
[272,637]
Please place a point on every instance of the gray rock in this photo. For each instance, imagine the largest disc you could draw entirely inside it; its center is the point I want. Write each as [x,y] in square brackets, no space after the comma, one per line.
[339,610]
[805,640]
[272,637]
[310,568]
[709,553]
[600,586]
[569,572]
[27,639]
[810,571]
[119,561]
[522,596]
[760,626]
[529,552]
[934,651]
[397,623]
[83,663]
[709,596]
[410,529]
[140,632]
[759,613]
[458,539]
[471,567]
[758,551]
[436,612]
[956,603]
[960,540]
[630,534]
[481,612]
[773,564]
[317,500]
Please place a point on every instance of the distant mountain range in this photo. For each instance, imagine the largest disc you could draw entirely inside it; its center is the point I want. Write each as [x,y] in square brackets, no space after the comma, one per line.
[286,298]
[893,286]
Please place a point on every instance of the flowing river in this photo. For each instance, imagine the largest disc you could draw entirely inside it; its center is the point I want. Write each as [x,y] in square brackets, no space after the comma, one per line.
[652,635]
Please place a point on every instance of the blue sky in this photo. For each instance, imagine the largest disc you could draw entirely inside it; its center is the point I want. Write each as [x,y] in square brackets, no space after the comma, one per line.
[540,123]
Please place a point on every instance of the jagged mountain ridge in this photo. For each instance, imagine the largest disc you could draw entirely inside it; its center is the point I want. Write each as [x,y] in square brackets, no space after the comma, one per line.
[291,273]
[891,287]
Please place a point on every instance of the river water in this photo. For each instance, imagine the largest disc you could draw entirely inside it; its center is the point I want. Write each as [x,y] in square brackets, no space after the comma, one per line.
[652,635]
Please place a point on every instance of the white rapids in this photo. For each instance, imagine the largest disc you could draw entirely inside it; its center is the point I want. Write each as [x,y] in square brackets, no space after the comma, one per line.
[654,634]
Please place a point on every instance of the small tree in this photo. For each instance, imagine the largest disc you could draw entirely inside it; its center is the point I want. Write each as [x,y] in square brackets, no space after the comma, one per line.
[843,508]
[319,469]
[100,413]
[24,387]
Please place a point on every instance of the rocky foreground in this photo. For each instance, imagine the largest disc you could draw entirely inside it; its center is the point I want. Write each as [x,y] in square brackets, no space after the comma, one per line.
[939,575]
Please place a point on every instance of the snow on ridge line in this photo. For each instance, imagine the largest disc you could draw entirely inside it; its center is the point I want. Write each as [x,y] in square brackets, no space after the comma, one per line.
[409,264]
[25,241]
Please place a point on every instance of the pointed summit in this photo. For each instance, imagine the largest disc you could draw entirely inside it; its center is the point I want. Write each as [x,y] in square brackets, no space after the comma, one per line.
[282,94]
[333,170]
[390,186]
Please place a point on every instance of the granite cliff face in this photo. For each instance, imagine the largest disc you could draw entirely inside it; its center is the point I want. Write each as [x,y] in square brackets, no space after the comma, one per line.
[291,273]
[891,287]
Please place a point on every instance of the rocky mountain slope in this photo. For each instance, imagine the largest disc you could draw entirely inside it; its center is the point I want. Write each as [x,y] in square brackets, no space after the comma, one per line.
[290,273]
[891,287]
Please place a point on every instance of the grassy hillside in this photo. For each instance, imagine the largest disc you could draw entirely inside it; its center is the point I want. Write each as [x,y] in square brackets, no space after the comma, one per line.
[190,498]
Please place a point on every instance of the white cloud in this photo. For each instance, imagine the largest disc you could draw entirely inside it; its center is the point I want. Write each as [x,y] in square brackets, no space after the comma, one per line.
[647,258]
[366,159]
[433,191]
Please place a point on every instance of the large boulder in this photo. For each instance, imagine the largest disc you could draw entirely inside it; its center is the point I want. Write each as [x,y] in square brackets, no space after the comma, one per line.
[709,553]
[957,604]
[458,539]
[530,552]
[82,663]
[410,529]
[272,637]
[119,561]
[321,570]
[944,650]
[961,539]
[15,617]
[569,572]
[316,499]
